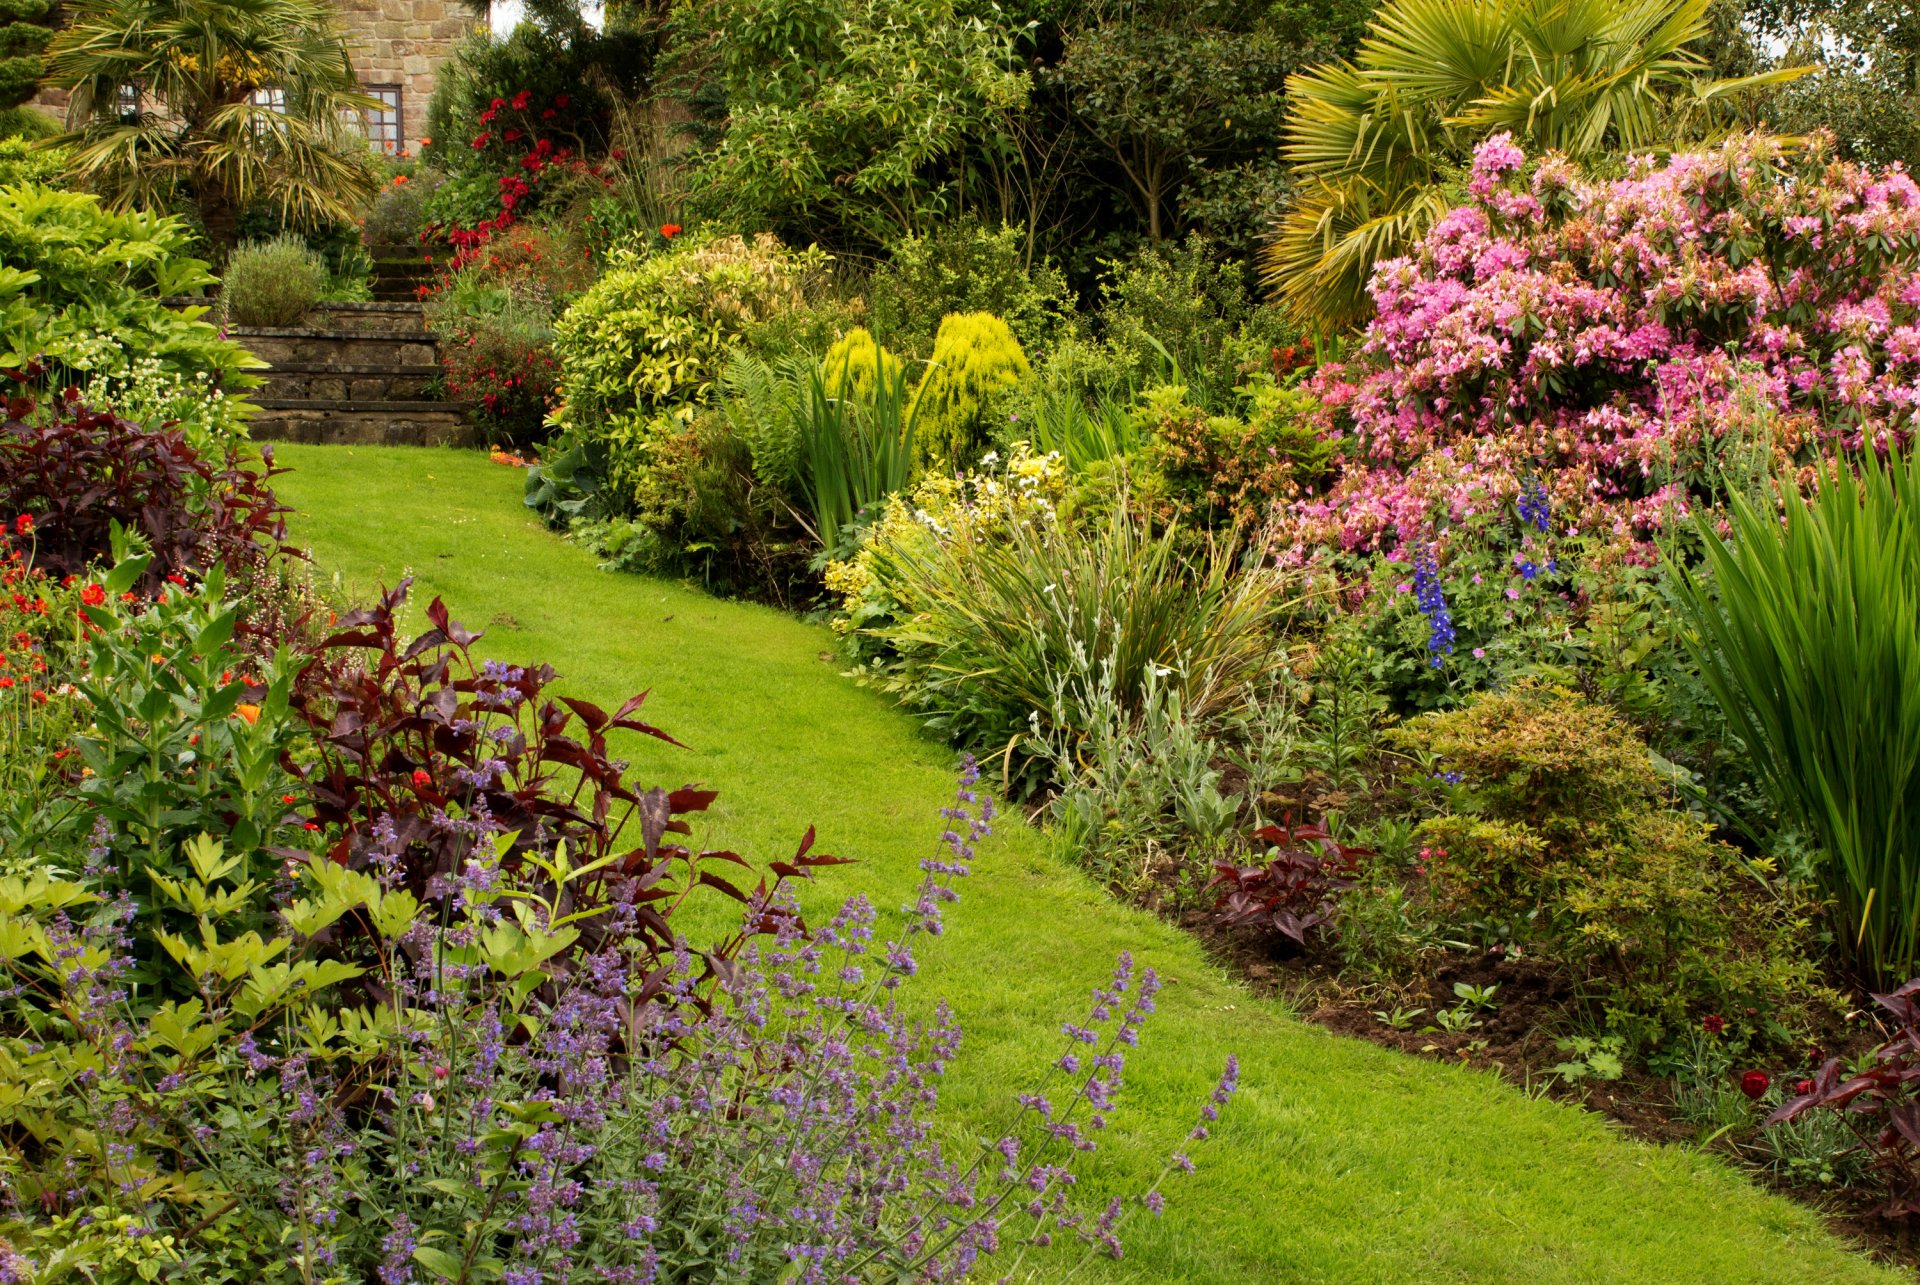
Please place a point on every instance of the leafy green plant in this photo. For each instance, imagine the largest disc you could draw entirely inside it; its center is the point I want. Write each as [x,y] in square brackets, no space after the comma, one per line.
[1803,629]
[1589,1057]
[966,266]
[81,294]
[854,451]
[272,283]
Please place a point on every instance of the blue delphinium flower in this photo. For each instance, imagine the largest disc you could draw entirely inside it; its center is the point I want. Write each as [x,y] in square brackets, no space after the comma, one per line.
[1534,508]
[1433,601]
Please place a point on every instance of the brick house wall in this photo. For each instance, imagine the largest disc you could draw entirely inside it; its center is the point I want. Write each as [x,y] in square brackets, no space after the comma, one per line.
[397,47]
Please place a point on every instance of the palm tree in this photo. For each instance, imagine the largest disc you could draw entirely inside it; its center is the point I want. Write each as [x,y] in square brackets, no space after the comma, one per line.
[225,102]
[1372,142]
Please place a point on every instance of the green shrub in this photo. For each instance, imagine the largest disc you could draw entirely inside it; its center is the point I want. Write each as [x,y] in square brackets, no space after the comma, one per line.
[965,266]
[1181,303]
[22,161]
[1220,471]
[81,290]
[1805,632]
[855,450]
[273,283]
[399,214]
[1563,839]
[652,334]
[976,363]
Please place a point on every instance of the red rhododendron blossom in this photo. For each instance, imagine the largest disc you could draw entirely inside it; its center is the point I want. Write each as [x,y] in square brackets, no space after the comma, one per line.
[482,140]
[1755,1083]
[421,779]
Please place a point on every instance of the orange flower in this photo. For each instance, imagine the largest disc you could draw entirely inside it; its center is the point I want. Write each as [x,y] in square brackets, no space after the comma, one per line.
[249,712]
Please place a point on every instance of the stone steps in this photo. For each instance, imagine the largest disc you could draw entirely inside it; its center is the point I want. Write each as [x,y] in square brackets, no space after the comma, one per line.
[365,378]
[351,423]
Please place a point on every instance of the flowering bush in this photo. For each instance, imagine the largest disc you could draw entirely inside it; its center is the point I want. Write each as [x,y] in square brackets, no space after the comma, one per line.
[151,395]
[1602,335]
[494,311]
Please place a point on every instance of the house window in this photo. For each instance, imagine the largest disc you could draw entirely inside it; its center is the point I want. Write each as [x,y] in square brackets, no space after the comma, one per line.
[274,99]
[127,101]
[385,131]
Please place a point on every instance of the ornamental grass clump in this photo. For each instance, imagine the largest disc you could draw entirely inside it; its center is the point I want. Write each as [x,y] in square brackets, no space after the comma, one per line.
[1805,631]
[987,617]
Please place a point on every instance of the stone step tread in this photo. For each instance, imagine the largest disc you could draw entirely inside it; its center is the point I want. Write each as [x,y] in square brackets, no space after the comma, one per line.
[422,335]
[349,408]
[396,370]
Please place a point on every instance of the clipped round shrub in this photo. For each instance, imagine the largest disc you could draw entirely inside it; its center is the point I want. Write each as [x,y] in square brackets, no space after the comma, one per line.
[976,363]
[650,335]
[273,283]
[852,367]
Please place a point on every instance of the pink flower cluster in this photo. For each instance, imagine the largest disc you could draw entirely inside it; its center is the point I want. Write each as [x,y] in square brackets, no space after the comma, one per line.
[1615,337]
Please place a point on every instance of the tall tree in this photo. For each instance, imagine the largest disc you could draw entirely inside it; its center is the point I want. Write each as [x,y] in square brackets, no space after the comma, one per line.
[1170,89]
[1374,141]
[223,102]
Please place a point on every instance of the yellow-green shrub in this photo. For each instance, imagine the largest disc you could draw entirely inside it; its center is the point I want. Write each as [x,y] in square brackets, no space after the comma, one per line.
[853,365]
[976,363]
[1567,839]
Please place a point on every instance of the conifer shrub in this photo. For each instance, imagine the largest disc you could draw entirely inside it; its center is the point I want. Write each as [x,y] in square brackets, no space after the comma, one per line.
[976,363]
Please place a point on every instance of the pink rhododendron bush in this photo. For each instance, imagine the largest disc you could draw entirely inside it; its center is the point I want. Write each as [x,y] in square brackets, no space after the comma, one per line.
[1611,341]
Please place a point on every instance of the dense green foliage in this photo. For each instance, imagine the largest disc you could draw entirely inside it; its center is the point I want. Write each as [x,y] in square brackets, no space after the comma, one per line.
[80,293]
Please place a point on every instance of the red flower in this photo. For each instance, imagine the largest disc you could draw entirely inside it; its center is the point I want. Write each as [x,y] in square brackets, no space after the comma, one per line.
[669,230]
[481,141]
[421,780]
[94,596]
[1754,1083]
[1713,1023]
[1803,1088]
[560,101]
[286,798]
[23,525]
[547,113]
[521,99]
[308,825]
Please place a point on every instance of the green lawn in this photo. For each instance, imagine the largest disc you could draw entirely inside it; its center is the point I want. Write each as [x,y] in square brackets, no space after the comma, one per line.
[1339,1161]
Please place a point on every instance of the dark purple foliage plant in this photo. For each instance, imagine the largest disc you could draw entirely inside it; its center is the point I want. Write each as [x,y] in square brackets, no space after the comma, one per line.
[1293,890]
[1880,1104]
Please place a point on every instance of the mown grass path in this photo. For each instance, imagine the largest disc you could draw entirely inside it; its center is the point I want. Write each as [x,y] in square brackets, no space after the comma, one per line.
[1339,1161]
